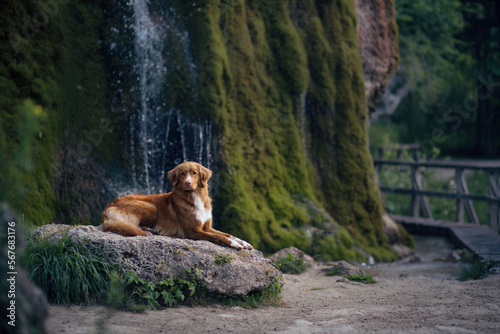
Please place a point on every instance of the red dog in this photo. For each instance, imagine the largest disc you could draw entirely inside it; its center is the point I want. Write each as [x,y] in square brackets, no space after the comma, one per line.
[186,212]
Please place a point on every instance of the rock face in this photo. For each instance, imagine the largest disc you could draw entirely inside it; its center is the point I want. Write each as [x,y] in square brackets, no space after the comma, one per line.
[222,269]
[343,268]
[29,310]
[268,94]
[377,33]
[294,252]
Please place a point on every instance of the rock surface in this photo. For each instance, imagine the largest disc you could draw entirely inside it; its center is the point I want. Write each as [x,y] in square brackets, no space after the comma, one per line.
[343,268]
[377,33]
[222,269]
[294,252]
[29,311]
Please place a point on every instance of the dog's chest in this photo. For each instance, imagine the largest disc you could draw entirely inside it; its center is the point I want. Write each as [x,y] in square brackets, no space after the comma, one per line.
[202,214]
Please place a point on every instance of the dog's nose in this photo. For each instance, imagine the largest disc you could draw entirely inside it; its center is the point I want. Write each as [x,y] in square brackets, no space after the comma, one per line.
[187,183]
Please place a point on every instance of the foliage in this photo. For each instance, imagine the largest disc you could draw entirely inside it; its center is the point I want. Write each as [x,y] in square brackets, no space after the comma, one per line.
[366,278]
[27,72]
[68,271]
[137,293]
[141,294]
[16,159]
[475,270]
[220,259]
[290,264]
[333,272]
[270,295]
[362,278]
[449,52]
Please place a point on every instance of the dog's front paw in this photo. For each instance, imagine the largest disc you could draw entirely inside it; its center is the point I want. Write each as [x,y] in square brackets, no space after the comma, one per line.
[235,244]
[240,244]
[246,245]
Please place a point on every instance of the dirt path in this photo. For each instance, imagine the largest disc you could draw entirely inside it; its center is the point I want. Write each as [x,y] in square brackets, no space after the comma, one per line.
[403,301]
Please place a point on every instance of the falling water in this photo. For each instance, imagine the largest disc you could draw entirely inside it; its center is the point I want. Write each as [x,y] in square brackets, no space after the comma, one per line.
[160,138]
[151,72]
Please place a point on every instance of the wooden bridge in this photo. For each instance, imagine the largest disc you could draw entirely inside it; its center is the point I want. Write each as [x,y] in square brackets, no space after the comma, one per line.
[482,238]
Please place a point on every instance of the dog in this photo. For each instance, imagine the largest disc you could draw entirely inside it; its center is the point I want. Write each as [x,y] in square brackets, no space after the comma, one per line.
[185,212]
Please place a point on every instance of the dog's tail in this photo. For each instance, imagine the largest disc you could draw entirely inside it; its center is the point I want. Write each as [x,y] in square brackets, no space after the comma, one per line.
[123,228]
[121,222]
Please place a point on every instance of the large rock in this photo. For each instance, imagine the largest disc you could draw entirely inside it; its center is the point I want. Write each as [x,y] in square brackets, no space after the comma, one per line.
[222,269]
[377,32]
[23,303]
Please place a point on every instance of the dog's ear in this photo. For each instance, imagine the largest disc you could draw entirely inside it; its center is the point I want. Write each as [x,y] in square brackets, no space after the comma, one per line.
[173,175]
[205,174]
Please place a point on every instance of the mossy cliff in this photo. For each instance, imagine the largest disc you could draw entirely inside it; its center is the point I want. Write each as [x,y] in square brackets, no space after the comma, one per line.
[285,99]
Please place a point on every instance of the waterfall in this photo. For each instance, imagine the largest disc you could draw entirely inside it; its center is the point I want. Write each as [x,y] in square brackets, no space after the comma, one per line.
[151,72]
[161,136]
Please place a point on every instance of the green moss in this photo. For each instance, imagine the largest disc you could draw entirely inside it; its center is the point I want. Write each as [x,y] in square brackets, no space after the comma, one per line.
[260,68]
[27,71]
[331,248]
[287,104]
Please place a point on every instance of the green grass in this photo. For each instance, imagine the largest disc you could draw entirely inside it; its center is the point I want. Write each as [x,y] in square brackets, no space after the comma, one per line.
[68,271]
[290,264]
[75,272]
[475,270]
[366,278]
[270,295]
[220,259]
[333,272]
[131,292]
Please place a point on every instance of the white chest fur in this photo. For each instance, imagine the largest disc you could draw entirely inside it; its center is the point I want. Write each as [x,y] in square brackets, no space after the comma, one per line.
[202,214]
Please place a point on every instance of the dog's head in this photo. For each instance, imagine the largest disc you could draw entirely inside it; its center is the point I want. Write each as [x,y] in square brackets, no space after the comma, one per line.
[189,176]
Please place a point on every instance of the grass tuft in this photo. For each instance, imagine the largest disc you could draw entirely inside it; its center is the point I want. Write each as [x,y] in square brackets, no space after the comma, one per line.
[366,278]
[333,272]
[68,271]
[290,265]
[475,270]
[220,259]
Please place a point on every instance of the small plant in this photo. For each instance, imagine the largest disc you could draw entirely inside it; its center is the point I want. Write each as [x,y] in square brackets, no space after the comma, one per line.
[166,293]
[290,264]
[333,272]
[475,270]
[317,289]
[270,295]
[221,259]
[365,278]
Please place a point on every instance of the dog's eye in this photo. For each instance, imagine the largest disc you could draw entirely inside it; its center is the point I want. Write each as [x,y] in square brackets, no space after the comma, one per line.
[183,173]
[194,173]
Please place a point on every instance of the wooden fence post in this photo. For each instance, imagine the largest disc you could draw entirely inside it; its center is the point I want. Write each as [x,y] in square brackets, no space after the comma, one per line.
[415,203]
[494,207]
[418,201]
[469,205]
[460,202]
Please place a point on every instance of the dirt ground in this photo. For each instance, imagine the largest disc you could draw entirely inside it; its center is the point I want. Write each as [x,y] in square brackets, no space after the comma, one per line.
[408,298]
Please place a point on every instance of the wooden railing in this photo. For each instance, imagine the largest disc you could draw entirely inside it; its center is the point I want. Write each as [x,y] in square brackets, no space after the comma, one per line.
[462,196]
